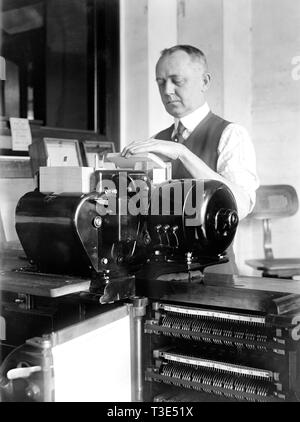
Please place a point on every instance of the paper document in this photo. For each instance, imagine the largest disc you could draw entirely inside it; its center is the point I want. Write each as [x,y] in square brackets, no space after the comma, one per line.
[131,161]
[20,134]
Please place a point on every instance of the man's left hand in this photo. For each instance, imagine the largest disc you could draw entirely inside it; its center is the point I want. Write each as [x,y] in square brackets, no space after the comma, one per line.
[169,149]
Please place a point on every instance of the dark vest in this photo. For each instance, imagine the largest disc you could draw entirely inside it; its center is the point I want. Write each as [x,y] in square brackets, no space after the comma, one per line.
[203,142]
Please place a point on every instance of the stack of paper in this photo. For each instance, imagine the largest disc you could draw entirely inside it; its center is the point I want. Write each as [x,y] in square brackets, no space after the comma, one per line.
[65,179]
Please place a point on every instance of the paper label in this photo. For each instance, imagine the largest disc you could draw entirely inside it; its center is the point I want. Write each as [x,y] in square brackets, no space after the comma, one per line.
[20,134]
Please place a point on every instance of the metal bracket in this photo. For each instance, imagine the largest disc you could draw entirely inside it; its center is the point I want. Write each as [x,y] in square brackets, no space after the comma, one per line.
[25,301]
[267,239]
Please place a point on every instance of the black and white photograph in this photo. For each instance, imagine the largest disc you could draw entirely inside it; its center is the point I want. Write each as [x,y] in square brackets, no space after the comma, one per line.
[149,203]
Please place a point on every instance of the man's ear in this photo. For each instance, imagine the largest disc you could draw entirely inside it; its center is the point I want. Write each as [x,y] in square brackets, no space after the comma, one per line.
[206,81]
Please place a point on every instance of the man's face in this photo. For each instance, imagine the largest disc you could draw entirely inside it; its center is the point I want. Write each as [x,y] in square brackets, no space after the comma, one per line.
[182,83]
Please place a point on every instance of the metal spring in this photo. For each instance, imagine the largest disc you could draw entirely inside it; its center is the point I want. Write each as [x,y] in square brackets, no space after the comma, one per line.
[186,326]
[207,377]
[217,327]
[177,326]
[167,322]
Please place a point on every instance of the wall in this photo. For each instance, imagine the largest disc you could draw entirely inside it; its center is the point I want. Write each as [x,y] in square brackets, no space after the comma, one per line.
[160,15]
[134,70]
[200,23]
[238,99]
[276,106]
[147,26]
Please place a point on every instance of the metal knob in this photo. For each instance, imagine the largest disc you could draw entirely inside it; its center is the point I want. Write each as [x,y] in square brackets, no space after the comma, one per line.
[97,222]
[226,220]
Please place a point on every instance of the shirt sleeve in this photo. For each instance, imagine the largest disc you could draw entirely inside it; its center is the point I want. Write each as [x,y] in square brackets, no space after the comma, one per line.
[237,163]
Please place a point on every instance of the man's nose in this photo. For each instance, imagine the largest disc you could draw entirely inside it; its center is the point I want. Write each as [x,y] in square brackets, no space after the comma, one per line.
[169,88]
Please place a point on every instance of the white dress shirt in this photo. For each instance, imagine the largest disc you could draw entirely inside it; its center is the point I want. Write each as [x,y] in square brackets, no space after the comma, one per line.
[236,156]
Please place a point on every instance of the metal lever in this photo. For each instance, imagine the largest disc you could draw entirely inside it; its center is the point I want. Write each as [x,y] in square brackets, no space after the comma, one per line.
[166,229]
[23,372]
[174,231]
[158,229]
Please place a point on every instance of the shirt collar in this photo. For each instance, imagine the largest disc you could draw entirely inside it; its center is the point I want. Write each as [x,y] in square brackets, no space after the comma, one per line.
[193,119]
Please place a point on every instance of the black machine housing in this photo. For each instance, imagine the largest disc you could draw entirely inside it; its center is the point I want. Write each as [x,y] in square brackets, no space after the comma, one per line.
[127,225]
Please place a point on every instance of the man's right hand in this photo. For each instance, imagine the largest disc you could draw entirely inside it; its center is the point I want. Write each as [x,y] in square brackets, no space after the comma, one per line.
[169,149]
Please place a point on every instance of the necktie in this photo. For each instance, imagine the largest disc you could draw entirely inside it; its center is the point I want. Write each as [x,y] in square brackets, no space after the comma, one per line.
[178,136]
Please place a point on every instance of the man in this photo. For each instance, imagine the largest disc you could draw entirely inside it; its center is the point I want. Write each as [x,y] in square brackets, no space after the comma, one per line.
[201,144]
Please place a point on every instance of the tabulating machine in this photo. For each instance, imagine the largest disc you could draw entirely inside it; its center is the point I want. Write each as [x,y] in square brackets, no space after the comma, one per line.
[144,246]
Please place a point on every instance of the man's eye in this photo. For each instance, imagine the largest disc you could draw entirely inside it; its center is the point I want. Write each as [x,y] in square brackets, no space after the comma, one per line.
[178,82]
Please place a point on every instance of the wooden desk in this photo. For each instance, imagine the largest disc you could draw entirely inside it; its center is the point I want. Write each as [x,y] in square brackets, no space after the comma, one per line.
[265,284]
[37,284]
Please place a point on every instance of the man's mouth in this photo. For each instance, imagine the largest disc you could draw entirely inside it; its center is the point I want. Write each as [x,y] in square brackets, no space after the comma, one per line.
[172,101]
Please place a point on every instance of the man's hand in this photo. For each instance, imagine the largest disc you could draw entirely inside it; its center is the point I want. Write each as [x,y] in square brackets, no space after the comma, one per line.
[169,149]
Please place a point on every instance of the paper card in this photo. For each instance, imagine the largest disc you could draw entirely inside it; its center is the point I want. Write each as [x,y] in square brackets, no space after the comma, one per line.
[20,134]
[152,160]
[96,151]
[62,152]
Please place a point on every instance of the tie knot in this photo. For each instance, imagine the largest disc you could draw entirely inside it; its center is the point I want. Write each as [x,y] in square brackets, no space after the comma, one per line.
[178,135]
[180,128]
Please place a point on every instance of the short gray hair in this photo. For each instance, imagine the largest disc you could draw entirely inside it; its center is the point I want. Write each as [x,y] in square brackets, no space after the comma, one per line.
[194,52]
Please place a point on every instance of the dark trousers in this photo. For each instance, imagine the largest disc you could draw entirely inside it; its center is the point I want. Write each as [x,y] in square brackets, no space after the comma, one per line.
[227,268]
